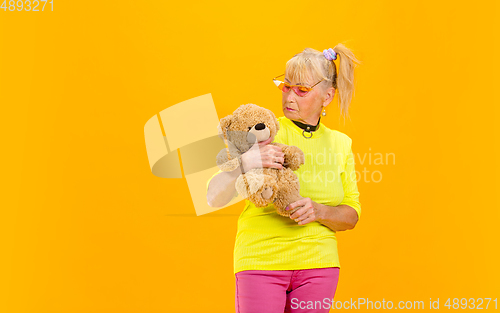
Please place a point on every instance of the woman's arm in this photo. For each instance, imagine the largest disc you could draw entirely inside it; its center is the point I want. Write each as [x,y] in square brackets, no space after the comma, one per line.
[337,218]
[221,188]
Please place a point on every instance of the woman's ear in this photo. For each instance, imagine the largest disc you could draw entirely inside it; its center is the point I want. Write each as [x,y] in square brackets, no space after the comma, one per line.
[330,94]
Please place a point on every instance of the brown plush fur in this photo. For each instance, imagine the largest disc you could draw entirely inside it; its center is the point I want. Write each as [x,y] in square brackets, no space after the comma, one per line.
[241,130]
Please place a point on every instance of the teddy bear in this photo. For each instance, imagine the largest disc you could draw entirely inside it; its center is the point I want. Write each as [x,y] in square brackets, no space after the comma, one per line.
[248,125]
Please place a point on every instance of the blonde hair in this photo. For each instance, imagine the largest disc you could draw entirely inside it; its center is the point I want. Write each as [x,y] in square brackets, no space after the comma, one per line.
[311,66]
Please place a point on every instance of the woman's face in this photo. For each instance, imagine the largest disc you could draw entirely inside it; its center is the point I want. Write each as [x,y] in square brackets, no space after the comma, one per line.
[306,109]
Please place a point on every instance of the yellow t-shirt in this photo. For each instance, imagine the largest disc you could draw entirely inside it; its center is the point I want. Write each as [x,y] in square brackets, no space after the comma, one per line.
[268,241]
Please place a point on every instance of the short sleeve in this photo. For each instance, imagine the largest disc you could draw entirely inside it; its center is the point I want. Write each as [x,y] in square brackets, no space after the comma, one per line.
[349,182]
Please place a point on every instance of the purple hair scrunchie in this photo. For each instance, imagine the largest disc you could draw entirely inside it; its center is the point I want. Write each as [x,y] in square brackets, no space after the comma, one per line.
[330,54]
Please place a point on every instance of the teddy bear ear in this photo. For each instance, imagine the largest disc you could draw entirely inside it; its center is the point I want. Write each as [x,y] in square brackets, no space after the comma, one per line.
[223,125]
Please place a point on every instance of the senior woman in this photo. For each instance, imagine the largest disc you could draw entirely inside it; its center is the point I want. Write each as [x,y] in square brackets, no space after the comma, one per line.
[291,264]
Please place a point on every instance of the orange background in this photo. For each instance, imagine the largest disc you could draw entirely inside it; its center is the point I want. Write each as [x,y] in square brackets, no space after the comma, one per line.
[86,226]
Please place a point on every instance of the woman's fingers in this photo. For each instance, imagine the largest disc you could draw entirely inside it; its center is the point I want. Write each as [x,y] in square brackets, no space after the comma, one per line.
[266,156]
[298,203]
[270,150]
[309,219]
[269,159]
[306,213]
[276,165]
[272,157]
[305,207]
[279,160]
[305,217]
[272,164]
[300,214]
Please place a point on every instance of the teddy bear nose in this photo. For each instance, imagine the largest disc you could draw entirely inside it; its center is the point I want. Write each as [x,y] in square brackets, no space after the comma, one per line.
[260,126]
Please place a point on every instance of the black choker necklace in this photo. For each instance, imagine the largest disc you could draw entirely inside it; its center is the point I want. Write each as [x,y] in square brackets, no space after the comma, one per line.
[307,128]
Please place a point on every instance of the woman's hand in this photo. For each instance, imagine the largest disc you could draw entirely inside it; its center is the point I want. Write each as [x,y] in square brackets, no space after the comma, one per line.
[309,211]
[262,155]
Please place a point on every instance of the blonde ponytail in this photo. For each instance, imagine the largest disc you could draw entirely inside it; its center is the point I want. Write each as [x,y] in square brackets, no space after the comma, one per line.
[345,78]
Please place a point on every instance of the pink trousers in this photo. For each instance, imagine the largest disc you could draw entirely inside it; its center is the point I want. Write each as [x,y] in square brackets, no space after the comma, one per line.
[310,290]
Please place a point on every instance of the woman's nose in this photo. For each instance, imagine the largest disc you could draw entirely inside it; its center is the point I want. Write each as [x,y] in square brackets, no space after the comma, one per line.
[290,95]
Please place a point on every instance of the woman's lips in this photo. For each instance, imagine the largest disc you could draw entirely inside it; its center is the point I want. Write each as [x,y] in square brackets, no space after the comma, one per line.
[290,109]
